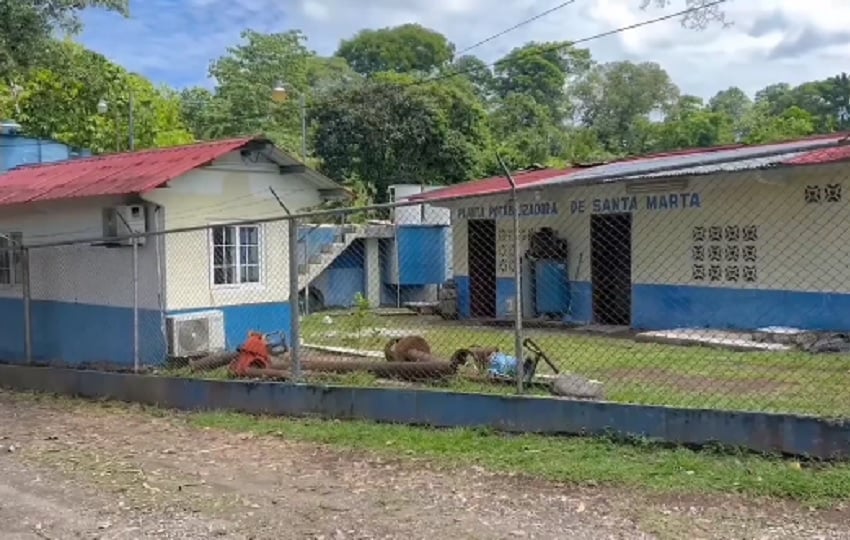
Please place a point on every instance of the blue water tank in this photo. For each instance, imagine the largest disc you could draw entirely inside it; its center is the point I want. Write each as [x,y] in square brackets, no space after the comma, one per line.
[552,287]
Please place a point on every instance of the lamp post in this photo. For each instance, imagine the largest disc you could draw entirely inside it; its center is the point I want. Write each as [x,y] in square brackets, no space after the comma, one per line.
[280,94]
[103,108]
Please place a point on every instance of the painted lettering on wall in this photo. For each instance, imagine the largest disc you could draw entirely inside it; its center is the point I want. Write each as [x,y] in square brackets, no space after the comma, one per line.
[534,209]
[633,203]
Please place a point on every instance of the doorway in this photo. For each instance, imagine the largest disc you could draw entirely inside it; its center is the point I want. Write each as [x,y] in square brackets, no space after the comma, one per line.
[481,254]
[611,268]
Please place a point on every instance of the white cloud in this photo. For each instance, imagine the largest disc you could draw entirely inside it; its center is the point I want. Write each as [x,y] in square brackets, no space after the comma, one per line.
[769,41]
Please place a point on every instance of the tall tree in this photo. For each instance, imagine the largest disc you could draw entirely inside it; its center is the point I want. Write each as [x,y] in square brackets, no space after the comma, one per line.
[542,71]
[27,27]
[389,131]
[690,124]
[60,101]
[733,102]
[619,98]
[401,49]
[246,77]
[475,71]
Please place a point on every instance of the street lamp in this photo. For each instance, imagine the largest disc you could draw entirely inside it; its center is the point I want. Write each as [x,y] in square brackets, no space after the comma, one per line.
[103,108]
[280,93]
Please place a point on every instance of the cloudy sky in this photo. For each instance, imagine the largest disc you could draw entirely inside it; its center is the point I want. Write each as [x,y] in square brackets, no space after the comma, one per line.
[173,41]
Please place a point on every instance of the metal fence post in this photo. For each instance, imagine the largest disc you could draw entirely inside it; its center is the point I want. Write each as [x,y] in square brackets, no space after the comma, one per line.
[135,241]
[294,312]
[27,297]
[518,352]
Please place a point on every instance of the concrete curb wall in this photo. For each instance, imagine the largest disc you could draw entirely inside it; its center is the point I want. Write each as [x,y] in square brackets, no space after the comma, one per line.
[789,434]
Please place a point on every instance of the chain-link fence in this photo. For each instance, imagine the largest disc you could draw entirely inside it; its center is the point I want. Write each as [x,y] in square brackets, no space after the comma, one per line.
[727,290]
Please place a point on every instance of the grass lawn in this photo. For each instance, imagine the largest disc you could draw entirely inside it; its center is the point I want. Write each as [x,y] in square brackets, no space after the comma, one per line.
[584,461]
[644,373]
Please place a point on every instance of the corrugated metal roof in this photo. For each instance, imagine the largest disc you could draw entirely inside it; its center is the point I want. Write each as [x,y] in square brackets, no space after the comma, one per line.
[679,163]
[489,186]
[827,155]
[699,162]
[114,174]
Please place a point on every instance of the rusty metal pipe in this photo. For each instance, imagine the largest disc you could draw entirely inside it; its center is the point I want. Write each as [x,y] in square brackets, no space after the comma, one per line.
[422,357]
[409,371]
[213,361]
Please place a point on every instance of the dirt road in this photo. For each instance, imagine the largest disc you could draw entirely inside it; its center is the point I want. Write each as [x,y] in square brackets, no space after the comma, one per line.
[83,471]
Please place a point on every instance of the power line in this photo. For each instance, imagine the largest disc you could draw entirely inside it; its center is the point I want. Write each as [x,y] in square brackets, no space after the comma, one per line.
[518,25]
[535,52]
[557,47]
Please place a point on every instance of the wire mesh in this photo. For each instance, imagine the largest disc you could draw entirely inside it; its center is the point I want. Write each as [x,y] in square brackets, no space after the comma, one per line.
[725,291]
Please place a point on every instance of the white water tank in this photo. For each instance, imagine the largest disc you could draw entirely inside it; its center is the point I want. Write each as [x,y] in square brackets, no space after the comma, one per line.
[418,214]
[406,215]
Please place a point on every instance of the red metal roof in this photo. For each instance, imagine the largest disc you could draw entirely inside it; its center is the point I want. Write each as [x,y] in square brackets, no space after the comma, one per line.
[113,174]
[823,156]
[490,186]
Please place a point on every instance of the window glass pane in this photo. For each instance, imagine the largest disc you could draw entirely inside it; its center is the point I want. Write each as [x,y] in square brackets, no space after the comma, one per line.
[17,266]
[250,273]
[230,236]
[249,235]
[4,276]
[229,255]
[249,255]
[218,236]
[224,275]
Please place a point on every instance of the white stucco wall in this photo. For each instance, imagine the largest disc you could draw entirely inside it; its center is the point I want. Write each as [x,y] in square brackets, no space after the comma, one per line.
[799,246]
[228,190]
[80,273]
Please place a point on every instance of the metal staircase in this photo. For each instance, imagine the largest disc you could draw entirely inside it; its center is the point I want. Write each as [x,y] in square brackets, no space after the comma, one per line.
[329,252]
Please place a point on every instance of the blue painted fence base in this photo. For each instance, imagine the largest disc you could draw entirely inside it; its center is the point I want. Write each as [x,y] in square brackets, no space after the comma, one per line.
[788,434]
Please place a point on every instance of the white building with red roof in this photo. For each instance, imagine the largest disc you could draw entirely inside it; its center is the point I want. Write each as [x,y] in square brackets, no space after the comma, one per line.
[82,297]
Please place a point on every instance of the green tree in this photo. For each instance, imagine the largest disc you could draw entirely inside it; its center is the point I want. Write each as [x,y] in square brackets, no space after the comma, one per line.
[328,73]
[690,124]
[27,28]
[733,102]
[246,77]
[401,49]
[542,71]
[762,127]
[59,101]
[389,131]
[618,100]
[477,72]
[205,115]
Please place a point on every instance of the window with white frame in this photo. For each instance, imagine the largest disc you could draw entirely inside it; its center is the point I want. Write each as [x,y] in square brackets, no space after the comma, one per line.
[11,269]
[236,254]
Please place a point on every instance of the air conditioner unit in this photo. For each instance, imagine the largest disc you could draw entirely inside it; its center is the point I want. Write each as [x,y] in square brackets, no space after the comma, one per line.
[195,334]
[120,221]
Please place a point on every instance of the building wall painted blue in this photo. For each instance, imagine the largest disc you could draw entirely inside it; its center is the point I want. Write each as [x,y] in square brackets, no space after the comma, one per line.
[312,239]
[16,150]
[79,334]
[11,329]
[243,318]
[344,278]
[657,307]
